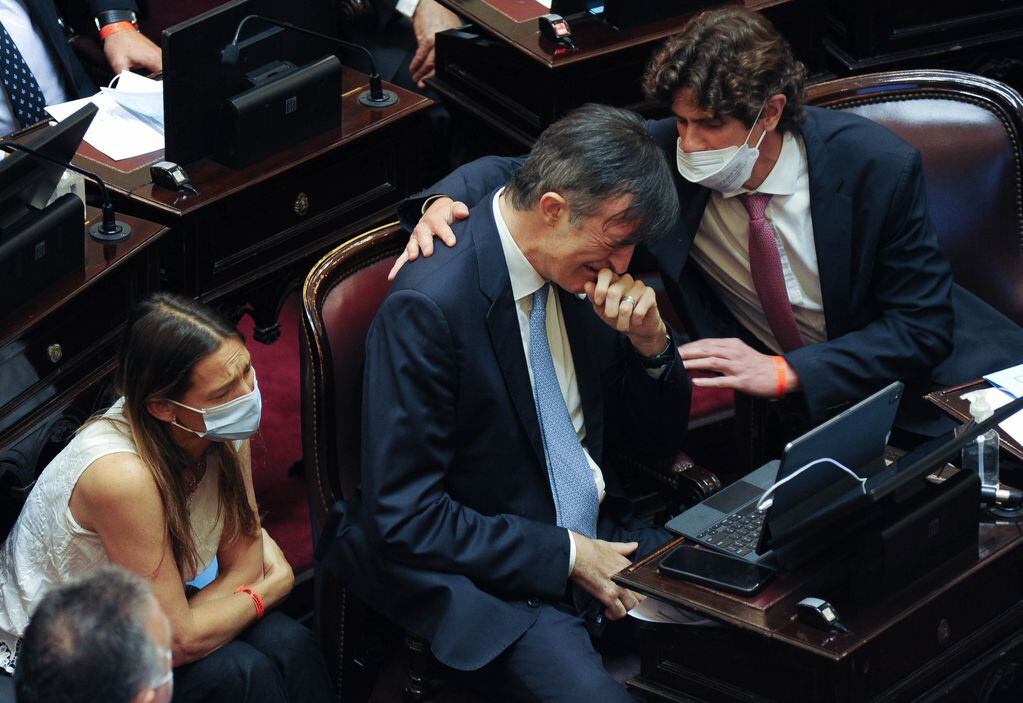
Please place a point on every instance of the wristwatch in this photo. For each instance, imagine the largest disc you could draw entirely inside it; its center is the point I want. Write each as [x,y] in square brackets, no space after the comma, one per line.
[110,21]
[659,360]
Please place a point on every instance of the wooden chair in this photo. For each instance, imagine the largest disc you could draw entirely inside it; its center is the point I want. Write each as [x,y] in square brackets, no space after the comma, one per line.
[969,131]
[340,297]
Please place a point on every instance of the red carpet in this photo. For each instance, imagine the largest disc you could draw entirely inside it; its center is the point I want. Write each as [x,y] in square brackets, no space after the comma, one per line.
[278,445]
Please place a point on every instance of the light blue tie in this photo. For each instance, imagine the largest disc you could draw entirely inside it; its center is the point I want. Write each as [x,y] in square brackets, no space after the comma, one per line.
[572,484]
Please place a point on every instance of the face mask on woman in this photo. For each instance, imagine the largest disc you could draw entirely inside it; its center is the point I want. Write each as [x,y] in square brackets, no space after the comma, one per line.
[236,419]
[723,170]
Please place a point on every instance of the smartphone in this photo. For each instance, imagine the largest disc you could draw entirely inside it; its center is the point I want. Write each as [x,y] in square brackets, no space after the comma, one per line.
[716,570]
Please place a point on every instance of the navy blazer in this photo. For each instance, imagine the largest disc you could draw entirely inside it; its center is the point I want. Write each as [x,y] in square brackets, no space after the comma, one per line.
[48,23]
[456,538]
[890,306]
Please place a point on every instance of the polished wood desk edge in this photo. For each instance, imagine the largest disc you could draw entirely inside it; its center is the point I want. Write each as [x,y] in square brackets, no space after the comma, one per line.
[495,22]
[935,584]
[139,226]
[354,82]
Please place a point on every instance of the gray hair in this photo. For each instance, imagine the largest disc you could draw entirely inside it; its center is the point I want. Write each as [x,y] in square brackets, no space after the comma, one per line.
[87,642]
[596,153]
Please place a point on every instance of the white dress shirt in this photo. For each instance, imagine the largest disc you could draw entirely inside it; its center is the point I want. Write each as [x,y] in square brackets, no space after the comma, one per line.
[721,248]
[38,56]
[524,282]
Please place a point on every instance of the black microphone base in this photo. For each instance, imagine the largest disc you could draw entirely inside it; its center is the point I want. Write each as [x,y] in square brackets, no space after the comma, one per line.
[389,98]
[121,232]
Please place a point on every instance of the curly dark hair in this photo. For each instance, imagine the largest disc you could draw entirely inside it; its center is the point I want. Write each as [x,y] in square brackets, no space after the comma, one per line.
[733,61]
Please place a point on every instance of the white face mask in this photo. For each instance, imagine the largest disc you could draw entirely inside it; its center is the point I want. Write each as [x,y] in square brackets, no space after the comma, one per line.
[233,420]
[723,170]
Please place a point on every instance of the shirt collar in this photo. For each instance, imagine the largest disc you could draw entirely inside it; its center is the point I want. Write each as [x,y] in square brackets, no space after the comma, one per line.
[524,279]
[784,177]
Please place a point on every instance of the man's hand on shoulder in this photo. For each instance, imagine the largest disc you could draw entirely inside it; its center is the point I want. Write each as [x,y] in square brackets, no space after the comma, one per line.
[131,49]
[742,368]
[629,306]
[435,222]
[596,561]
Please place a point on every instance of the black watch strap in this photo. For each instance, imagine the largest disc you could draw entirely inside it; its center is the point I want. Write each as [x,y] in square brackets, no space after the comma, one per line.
[659,360]
[110,16]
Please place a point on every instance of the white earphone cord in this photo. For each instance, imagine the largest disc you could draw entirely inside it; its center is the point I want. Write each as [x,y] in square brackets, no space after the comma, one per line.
[765,498]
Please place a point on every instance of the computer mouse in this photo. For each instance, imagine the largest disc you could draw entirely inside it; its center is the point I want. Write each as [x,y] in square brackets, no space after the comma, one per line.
[818,613]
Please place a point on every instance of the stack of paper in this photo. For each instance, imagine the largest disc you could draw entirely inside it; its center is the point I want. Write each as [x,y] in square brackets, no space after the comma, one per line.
[130,117]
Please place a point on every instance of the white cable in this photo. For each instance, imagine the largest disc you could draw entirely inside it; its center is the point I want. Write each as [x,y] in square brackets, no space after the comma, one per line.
[761,506]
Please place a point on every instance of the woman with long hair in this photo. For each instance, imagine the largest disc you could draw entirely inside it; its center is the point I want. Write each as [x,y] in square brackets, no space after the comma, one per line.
[160,484]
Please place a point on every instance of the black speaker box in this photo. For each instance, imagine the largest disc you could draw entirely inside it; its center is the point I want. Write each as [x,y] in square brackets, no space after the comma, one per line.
[281,110]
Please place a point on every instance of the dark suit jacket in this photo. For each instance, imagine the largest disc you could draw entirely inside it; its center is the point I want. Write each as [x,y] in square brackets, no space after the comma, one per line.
[457,540]
[44,16]
[891,309]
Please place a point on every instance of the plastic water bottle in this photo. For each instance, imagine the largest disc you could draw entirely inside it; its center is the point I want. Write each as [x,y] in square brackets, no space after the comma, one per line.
[981,455]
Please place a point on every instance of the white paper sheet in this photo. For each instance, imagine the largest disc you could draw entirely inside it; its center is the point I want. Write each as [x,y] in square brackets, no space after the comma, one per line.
[1009,380]
[139,95]
[653,610]
[116,131]
[996,398]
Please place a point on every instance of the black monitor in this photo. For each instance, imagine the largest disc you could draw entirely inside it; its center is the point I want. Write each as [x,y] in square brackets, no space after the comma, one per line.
[196,84]
[932,455]
[884,494]
[27,182]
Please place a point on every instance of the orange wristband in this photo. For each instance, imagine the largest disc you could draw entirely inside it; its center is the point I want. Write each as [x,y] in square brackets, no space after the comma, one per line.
[115,27]
[782,374]
[256,600]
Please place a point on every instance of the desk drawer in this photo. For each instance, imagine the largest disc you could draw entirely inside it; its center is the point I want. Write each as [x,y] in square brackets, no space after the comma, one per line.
[275,220]
[60,349]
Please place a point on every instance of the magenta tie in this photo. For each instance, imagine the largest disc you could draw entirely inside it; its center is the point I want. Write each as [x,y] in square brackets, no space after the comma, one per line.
[765,267]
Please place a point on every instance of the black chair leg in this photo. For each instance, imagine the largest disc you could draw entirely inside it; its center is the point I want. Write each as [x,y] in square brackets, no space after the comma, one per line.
[419,688]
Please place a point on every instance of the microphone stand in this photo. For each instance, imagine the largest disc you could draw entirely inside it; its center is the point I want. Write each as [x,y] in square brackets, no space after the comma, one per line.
[377,96]
[110,229]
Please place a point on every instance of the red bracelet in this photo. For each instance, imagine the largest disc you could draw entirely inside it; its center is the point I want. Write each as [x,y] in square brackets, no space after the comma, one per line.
[256,600]
[115,27]
[782,374]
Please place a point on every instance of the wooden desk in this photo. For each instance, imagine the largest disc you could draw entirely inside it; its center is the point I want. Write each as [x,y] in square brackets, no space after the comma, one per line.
[252,234]
[504,74]
[951,632]
[57,352]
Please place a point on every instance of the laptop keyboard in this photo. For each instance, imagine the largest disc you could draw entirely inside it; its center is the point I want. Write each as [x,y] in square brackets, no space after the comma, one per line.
[738,533]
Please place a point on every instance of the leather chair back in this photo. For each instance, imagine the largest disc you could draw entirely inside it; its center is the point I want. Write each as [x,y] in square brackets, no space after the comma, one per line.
[968,130]
[340,297]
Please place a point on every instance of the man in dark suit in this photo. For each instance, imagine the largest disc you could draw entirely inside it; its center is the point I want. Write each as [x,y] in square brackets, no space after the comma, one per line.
[804,263]
[501,377]
[55,74]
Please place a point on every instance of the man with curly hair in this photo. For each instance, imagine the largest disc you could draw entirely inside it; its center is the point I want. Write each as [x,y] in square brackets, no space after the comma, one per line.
[804,263]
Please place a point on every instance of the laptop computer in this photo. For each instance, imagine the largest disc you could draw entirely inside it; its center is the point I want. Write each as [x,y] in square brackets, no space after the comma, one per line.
[730,522]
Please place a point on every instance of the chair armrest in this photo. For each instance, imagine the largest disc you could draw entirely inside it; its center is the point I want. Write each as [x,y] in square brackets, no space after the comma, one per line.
[681,481]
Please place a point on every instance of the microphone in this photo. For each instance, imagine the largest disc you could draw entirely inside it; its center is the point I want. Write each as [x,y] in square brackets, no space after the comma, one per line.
[377,96]
[110,229]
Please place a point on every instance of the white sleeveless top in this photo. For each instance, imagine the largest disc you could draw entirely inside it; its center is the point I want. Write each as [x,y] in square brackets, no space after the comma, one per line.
[47,547]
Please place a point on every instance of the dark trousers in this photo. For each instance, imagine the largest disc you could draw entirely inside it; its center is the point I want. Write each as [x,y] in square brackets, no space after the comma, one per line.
[556,659]
[274,661]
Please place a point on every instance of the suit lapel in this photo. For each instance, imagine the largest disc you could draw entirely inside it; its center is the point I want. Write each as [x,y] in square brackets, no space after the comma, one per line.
[672,250]
[502,322]
[587,370]
[831,213]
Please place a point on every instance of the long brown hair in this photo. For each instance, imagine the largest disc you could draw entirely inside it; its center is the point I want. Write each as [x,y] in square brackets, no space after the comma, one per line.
[167,335]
